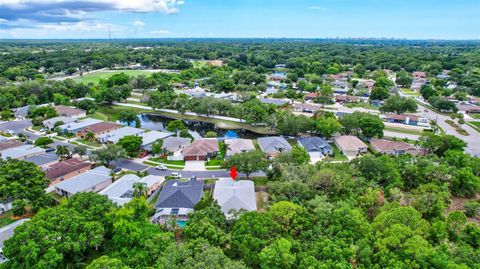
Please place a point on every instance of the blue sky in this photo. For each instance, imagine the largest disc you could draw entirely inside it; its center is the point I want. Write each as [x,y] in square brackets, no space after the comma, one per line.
[411,19]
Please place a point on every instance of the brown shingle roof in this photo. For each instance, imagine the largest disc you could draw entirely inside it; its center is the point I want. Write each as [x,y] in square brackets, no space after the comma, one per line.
[387,145]
[65,167]
[8,144]
[100,127]
[68,111]
[202,147]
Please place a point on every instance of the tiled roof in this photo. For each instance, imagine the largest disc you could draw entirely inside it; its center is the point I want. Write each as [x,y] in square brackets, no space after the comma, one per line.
[100,127]
[8,144]
[202,147]
[69,111]
[387,145]
[62,168]
[349,142]
[238,145]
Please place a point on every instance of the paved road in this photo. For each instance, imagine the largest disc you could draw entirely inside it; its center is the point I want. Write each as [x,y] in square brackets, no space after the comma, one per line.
[19,126]
[130,165]
[7,231]
[199,174]
[473,140]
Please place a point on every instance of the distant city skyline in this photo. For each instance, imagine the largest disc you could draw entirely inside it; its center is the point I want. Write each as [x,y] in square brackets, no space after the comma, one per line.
[406,19]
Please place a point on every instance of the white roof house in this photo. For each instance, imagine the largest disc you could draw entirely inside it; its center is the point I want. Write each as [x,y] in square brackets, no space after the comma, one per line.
[75,126]
[21,152]
[115,136]
[235,195]
[50,123]
[91,181]
[121,191]
[149,138]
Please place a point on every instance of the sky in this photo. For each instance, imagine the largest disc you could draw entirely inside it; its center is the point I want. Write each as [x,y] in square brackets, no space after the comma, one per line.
[409,19]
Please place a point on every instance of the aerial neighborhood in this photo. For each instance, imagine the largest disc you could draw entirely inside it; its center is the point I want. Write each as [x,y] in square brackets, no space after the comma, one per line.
[245,154]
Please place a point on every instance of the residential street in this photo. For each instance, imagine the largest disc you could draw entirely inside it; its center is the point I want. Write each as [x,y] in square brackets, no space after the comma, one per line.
[200,174]
[473,141]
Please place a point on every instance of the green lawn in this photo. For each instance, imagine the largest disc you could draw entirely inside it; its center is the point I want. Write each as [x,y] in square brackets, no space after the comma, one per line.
[97,76]
[474,124]
[112,113]
[403,131]
[475,116]
[165,161]
[168,166]
[337,155]
[94,143]
[214,162]
[6,219]
[410,92]
[363,105]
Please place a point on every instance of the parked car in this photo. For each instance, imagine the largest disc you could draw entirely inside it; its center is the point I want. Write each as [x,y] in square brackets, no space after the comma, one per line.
[117,170]
[161,167]
[176,175]
[10,132]
[49,150]
[143,154]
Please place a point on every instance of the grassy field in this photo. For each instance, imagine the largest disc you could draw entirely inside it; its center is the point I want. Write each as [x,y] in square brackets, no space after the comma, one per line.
[475,123]
[111,113]
[97,76]
[410,92]
[363,105]
[165,161]
[475,116]
[403,131]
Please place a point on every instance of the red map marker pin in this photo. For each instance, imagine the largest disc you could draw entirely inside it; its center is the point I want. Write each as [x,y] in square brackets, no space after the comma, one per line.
[233,172]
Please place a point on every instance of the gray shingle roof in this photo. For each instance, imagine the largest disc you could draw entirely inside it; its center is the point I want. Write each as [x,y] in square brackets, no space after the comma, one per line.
[235,195]
[274,144]
[174,143]
[85,181]
[177,194]
[314,144]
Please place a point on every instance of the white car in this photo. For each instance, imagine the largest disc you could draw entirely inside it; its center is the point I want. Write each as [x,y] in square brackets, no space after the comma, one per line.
[176,175]
[10,132]
[161,167]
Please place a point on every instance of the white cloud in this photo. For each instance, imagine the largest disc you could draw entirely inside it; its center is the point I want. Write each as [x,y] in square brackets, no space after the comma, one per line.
[161,32]
[62,11]
[138,23]
[317,8]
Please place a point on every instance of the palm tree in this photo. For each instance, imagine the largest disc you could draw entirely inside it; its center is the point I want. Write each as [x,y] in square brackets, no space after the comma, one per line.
[139,189]
[63,152]
[90,136]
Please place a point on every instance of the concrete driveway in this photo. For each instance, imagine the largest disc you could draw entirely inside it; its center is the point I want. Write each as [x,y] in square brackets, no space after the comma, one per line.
[194,166]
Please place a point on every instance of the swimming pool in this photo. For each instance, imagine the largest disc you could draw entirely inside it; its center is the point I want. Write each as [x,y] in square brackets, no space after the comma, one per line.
[181,223]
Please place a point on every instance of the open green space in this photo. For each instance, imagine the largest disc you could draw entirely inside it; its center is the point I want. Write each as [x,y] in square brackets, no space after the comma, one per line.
[112,113]
[475,116]
[165,161]
[403,131]
[410,92]
[6,218]
[93,143]
[97,76]
[362,105]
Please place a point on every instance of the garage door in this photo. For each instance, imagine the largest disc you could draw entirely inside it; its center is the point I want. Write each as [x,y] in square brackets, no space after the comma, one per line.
[194,158]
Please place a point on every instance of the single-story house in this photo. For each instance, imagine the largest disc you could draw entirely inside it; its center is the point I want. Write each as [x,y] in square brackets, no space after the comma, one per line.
[177,199]
[121,191]
[468,108]
[201,149]
[94,180]
[233,196]
[392,147]
[10,143]
[99,129]
[43,160]
[50,123]
[21,152]
[235,146]
[277,76]
[196,92]
[306,107]
[70,112]
[78,125]
[403,119]
[66,169]
[116,135]
[175,145]
[340,91]
[273,145]
[278,102]
[346,99]
[351,146]
[315,146]
[151,137]
[311,96]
